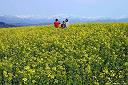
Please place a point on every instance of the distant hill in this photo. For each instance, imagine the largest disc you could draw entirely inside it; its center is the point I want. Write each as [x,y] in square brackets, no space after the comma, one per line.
[24,21]
[19,21]
[4,25]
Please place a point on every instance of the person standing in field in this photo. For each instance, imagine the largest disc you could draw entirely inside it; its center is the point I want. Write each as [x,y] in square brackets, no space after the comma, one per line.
[57,23]
[63,25]
[66,21]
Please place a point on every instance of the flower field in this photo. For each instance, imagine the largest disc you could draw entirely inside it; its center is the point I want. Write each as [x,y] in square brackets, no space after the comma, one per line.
[83,54]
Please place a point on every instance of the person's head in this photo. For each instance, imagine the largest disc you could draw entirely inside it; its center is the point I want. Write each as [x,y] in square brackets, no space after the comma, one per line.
[66,20]
[56,20]
[63,22]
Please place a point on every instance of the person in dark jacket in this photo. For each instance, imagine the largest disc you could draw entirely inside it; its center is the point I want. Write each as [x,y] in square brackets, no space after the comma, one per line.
[63,25]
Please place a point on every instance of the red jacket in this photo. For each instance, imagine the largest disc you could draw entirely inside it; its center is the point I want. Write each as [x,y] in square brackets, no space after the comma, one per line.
[56,24]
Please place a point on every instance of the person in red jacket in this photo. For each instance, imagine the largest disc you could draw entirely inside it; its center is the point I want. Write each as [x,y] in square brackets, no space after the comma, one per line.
[57,23]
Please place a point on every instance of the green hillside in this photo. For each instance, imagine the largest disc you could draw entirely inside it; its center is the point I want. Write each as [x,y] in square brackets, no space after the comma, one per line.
[83,54]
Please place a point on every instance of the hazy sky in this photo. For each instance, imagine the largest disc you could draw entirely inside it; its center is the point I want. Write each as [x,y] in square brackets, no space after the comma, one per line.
[87,8]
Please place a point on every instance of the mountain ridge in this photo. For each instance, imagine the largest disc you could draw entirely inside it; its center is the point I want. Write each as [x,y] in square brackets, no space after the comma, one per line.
[33,20]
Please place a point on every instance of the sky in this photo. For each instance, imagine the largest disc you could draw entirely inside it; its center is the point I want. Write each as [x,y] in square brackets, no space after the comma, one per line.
[87,8]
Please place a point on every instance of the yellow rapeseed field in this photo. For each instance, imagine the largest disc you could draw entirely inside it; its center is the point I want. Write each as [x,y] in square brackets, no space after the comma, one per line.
[82,54]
